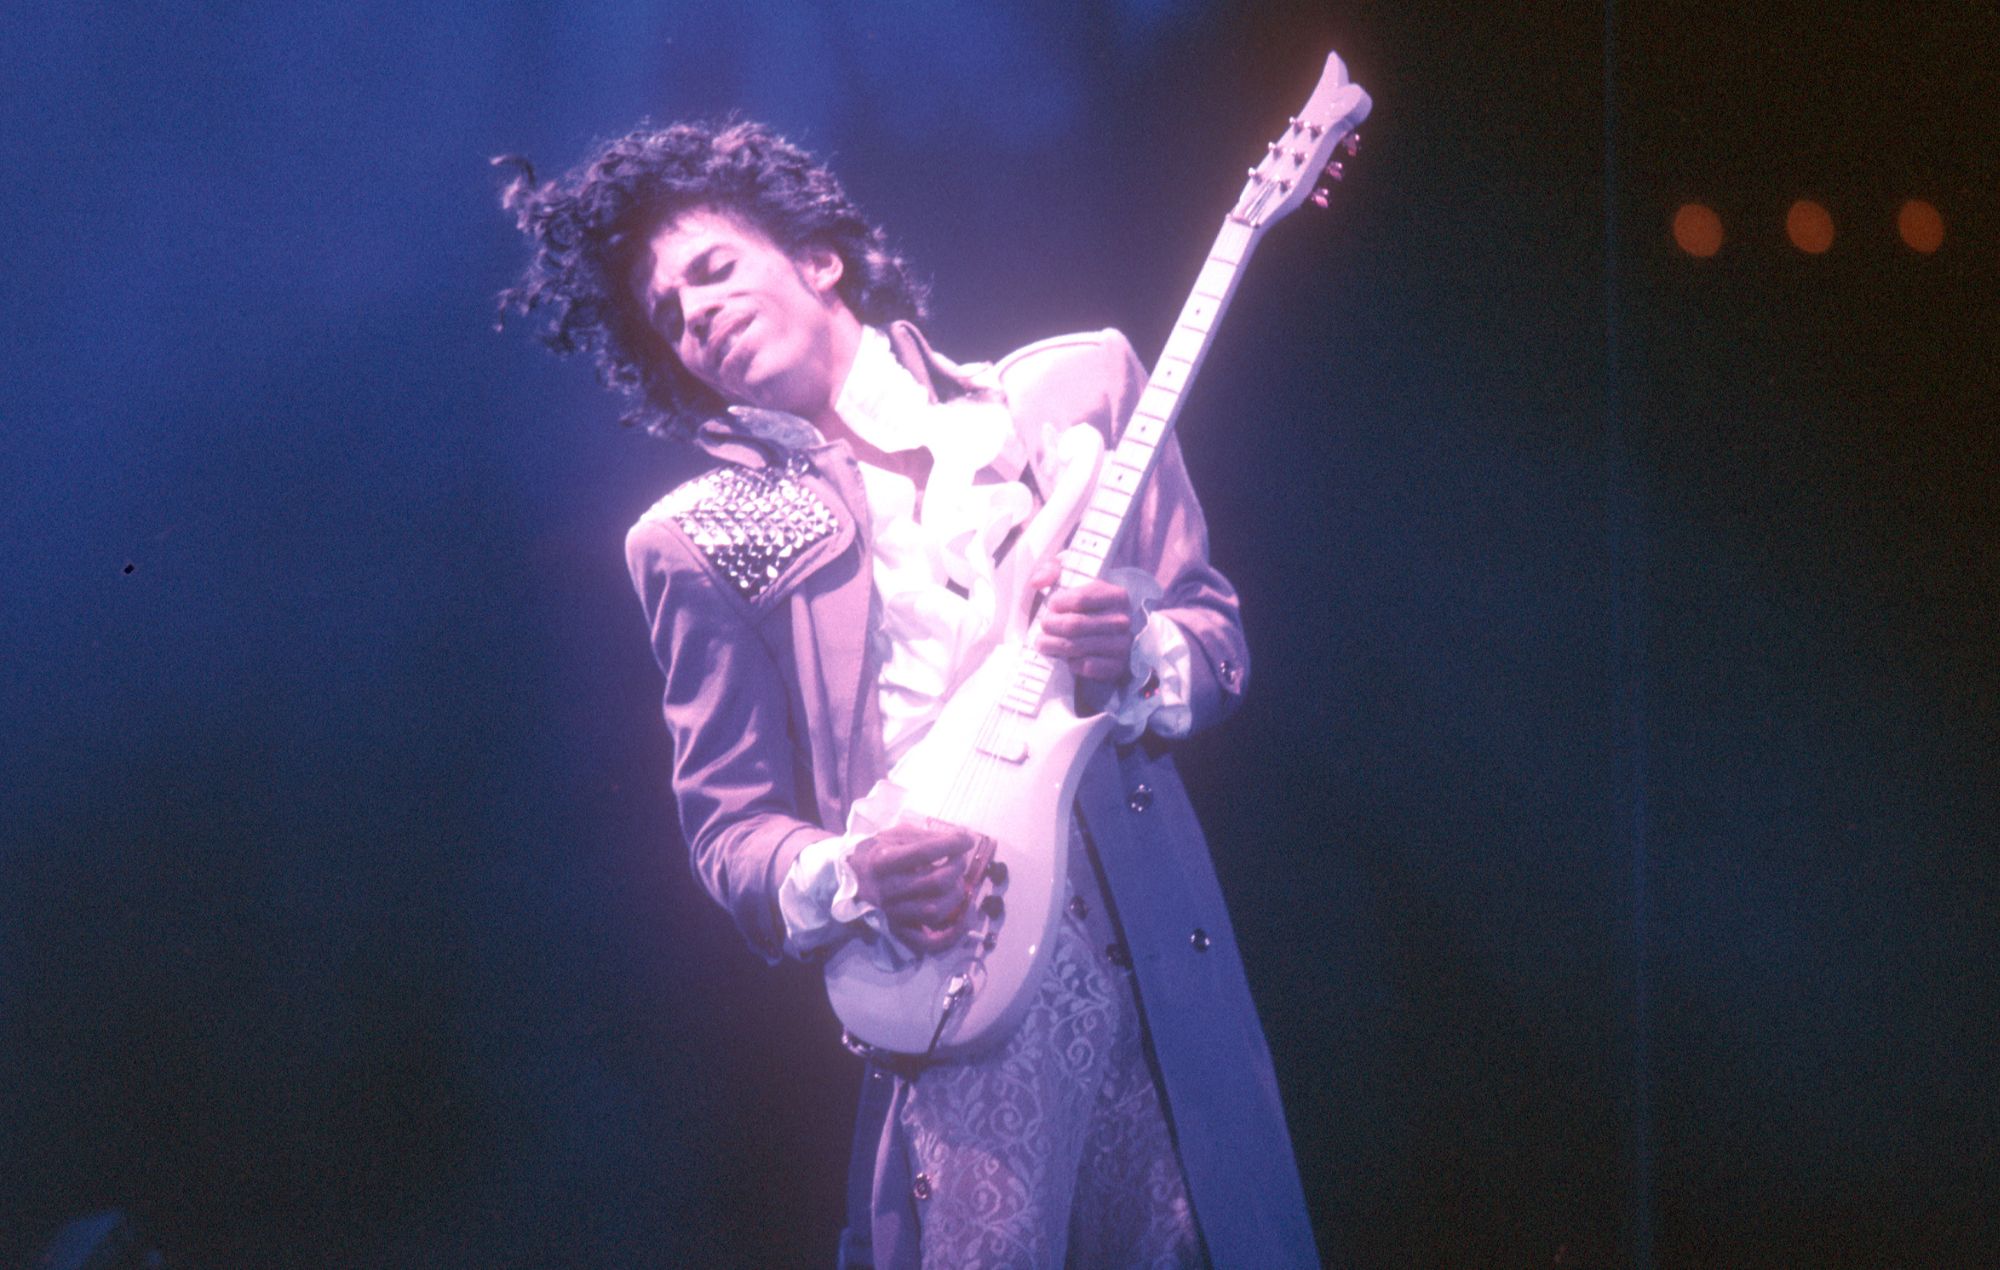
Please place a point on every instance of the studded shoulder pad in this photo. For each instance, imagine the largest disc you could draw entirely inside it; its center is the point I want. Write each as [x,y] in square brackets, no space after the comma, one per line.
[750,523]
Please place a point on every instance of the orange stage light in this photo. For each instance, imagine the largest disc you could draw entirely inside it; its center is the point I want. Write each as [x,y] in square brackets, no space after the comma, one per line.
[1698,230]
[1809,226]
[1921,226]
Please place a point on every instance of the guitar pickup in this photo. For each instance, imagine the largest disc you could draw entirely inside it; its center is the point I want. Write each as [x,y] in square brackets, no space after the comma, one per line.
[1009,746]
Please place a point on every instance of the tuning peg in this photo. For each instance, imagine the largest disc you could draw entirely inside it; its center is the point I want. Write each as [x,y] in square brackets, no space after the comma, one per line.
[1320,197]
[1353,143]
[1334,171]
[1314,130]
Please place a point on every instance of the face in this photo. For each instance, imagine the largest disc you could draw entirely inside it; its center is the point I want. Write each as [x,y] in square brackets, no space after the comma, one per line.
[760,326]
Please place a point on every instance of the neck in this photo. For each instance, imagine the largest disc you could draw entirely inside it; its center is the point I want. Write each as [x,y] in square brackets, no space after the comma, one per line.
[844,339]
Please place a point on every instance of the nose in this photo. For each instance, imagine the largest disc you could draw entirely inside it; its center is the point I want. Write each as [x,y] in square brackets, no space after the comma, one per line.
[698,311]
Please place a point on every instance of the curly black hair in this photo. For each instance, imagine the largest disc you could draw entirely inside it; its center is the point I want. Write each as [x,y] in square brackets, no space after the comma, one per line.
[590,228]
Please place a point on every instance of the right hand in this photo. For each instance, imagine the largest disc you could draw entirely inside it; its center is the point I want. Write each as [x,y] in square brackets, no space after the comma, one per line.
[916,874]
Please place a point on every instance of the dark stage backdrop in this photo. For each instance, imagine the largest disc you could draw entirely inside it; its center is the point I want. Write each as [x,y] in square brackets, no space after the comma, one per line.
[1611,829]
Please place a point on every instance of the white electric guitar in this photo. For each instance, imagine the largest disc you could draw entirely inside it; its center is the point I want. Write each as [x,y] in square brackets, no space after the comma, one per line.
[1007,752]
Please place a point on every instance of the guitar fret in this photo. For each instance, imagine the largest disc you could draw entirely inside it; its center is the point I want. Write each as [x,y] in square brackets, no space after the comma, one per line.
[1231,243]
[1126,452]
[1185,343]
[1086,544]
[1157,402]
[1100,522]
[1111,501]
[1120,477]
[1214,279]
[1199,313]
[1172,372]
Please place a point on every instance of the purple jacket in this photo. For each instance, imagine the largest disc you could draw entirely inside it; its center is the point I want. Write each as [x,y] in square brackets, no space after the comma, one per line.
[770,703]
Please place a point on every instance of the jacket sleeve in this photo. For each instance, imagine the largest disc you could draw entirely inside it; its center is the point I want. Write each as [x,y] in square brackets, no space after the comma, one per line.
[1099,378]
[742,807]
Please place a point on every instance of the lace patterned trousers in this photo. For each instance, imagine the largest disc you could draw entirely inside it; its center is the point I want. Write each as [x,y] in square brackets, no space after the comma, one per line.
[1055,1146]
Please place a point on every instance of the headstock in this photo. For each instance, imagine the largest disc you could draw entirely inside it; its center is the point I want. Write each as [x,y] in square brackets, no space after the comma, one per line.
[1301,161]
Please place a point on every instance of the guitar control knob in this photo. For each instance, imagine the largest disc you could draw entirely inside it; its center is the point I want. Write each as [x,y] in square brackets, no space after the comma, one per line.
[993,906]
[996,873]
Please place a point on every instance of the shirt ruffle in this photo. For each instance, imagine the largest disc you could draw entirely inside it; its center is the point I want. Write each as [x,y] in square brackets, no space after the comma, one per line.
[935,581]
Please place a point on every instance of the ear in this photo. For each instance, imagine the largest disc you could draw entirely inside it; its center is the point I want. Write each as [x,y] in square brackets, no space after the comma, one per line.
[822,268]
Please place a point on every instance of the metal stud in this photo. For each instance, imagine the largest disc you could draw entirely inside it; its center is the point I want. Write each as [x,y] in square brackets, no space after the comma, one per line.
[751,523]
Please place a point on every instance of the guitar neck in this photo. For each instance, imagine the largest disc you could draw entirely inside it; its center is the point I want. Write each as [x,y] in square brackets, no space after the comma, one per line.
[1293,170]
[1131,461]
[1126,468]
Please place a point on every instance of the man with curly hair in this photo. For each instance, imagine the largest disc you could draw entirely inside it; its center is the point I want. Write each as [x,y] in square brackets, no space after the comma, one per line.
[817,593]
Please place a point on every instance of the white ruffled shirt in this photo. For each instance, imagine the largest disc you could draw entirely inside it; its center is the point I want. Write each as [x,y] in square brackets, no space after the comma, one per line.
[934,578]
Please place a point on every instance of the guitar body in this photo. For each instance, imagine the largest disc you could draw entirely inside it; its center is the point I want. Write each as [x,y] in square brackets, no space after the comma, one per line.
[1024,807]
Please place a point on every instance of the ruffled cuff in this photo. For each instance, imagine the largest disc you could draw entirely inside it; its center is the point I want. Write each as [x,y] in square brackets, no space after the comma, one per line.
[821,896]
[1157,695]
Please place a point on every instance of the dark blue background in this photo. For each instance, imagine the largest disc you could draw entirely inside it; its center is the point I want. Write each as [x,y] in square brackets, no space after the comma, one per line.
[1611,830]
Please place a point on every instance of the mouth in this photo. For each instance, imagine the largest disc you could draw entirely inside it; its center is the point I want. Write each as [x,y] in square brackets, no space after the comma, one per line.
[726,344]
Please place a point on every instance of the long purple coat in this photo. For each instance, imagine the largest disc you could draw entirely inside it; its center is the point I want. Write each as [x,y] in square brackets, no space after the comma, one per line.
[770,702]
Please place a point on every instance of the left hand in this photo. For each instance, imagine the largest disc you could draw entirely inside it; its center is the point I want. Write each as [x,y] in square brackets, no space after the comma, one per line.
[1088,626]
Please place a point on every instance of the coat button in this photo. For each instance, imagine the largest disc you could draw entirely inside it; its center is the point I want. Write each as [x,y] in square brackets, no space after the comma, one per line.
[921,1186]
[1198,940]
[1140,798]
[1077,908]
[1226,671]
[1118,956]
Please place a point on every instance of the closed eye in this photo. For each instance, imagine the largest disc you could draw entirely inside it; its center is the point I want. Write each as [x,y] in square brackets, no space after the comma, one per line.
[706,269]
